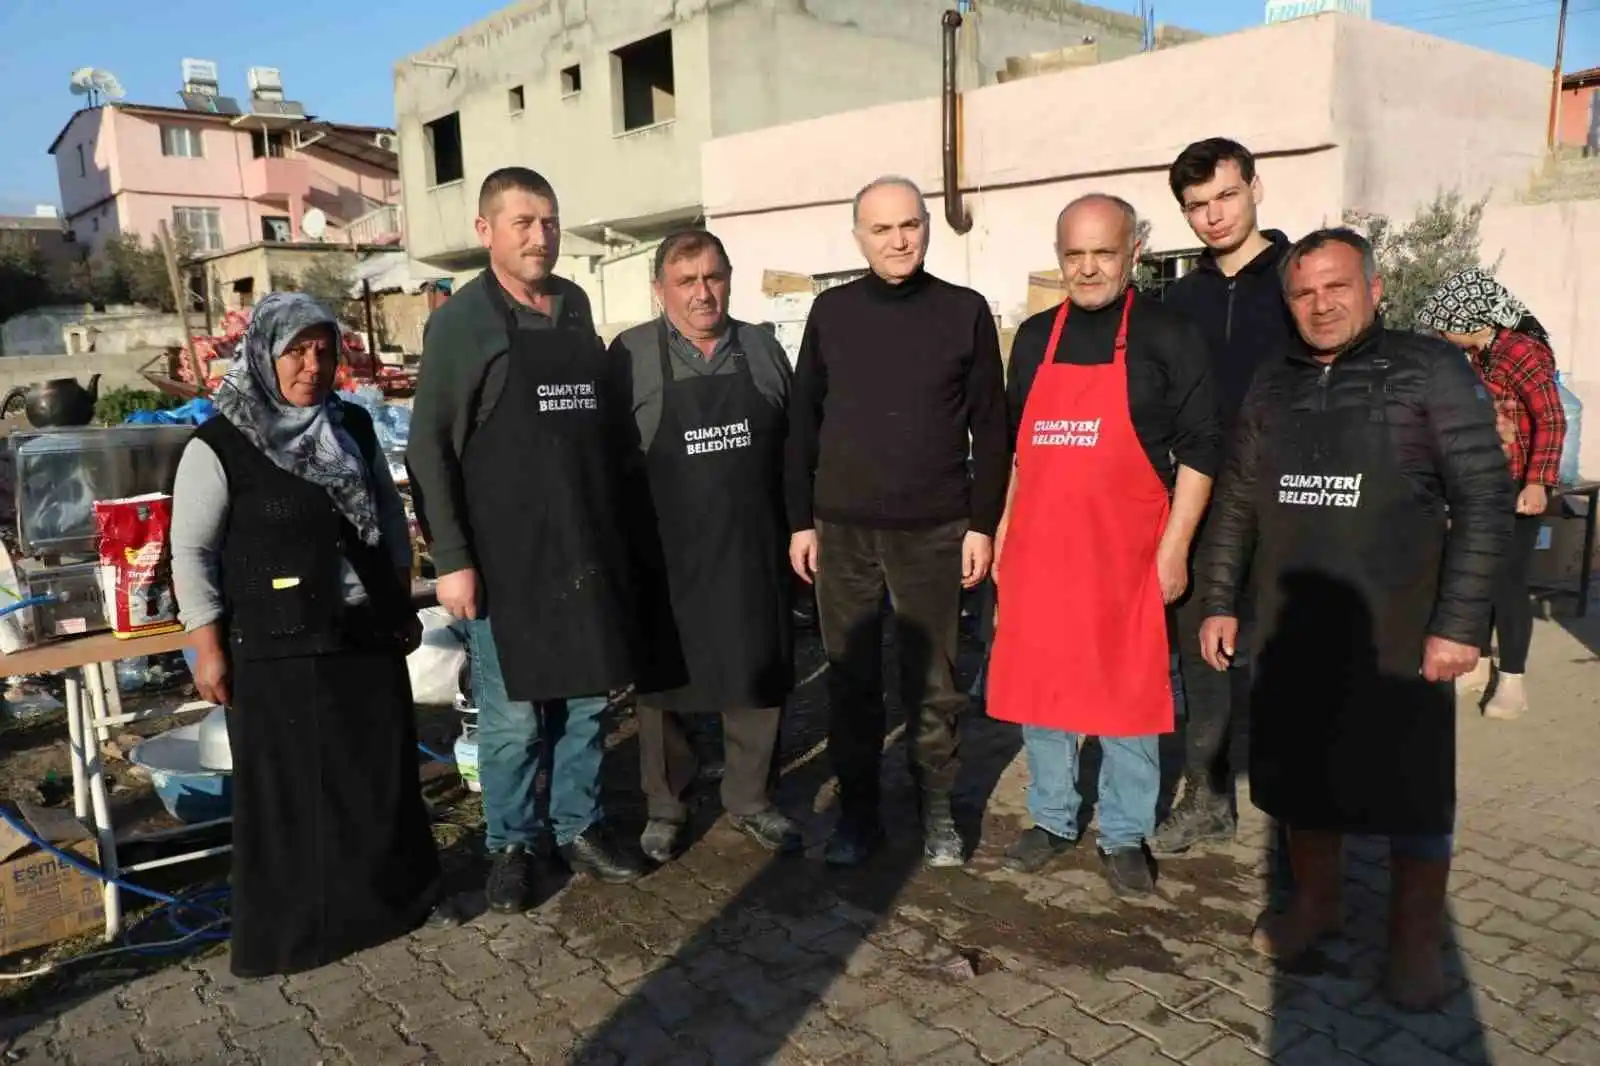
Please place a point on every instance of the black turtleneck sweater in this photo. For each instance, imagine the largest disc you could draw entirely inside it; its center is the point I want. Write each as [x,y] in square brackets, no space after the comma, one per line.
[896,386]
[1169,377]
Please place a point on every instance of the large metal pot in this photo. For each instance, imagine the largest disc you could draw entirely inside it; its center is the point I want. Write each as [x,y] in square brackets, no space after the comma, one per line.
[57,402]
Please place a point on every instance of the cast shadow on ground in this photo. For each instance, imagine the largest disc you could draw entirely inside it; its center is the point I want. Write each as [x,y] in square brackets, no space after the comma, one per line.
[791,928]
[1329,1004]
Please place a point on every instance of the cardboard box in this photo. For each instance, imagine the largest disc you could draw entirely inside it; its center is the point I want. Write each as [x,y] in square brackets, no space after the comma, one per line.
[42,899]
[1045,290]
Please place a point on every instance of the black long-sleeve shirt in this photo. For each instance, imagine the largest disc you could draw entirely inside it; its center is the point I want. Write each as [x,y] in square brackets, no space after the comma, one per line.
[1170,394]
[895,388]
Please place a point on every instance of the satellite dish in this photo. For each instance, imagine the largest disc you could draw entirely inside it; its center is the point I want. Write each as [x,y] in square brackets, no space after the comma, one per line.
[314,223]
[98,85]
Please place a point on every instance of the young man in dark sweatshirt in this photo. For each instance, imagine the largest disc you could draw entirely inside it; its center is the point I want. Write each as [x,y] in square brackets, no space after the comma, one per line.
[898,380]
[1236,298]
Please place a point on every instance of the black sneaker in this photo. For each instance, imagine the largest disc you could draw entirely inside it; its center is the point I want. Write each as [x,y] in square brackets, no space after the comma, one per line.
[1128,872]
[510,880]
[770,828]
[1036,848]
[595,853]
[1201,817]
[853,842]
[659,841]
[941,842]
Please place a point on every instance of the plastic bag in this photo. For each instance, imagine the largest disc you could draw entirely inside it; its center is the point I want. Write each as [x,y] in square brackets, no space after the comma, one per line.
[391,421]
[437,662]
[194,413]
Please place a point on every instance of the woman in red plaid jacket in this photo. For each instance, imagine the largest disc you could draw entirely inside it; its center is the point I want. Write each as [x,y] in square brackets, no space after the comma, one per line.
[1511,351]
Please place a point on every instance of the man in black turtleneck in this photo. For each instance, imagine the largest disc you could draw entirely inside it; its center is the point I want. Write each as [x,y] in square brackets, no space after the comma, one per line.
[898,384]
[1236,298]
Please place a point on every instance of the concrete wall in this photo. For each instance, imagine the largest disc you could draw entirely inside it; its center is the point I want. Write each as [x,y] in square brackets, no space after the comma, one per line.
[1580,112]
[738,65]
[1320,114]
[119,369]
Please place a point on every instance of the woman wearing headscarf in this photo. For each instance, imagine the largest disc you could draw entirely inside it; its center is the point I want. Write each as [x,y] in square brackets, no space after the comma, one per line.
[291,562]
[1511,352]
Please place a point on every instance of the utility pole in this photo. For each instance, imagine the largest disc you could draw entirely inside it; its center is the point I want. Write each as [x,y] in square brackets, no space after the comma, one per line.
[1555,78]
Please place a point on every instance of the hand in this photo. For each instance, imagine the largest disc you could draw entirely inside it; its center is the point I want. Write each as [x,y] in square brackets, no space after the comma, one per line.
[410,634]
[1219,638]
[803,554]
[211,666]
[458,593]
[1172,570]
[1533,499]
[977,554]
[1446,660]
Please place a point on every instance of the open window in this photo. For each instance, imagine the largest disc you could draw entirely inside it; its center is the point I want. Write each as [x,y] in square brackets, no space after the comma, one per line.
[444,149]
[643,76]
[571,80]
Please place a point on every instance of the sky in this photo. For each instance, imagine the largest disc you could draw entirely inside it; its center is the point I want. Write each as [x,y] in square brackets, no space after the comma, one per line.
[338,59]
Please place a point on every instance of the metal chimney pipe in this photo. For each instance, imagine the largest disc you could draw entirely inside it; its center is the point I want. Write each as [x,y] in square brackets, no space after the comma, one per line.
[955,212]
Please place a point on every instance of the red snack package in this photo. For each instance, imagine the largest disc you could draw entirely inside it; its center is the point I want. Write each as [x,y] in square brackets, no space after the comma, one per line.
[135,571]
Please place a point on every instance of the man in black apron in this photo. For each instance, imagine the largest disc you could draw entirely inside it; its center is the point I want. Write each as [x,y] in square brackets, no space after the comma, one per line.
[518,440]
[709,400]
[1368,497]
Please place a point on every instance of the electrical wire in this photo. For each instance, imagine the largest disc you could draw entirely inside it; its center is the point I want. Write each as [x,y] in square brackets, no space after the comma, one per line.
[176,911]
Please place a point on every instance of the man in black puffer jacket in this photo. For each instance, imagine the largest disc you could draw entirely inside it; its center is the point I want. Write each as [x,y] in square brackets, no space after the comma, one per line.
[1368,496]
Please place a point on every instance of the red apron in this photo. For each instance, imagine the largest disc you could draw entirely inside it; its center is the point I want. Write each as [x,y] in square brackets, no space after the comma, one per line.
[1081,644]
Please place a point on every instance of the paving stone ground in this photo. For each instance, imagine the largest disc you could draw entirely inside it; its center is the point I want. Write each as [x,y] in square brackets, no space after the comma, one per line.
[729,957]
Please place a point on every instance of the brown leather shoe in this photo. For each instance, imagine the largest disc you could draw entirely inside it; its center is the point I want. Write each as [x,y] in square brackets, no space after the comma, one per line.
[1414,979]
[1316,909]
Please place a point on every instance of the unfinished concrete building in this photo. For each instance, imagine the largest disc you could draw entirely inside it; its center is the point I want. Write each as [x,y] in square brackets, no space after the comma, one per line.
[612,100]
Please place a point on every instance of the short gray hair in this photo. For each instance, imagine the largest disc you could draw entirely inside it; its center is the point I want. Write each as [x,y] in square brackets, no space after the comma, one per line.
[886,182]
[1128,211]
[1320,239]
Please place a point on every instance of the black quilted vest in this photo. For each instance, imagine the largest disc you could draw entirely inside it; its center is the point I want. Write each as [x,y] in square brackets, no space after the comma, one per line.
[282,550]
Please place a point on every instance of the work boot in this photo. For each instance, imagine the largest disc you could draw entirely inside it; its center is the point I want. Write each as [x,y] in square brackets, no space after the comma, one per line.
[510,879]
[1475,682]
[941,841]
[1510,699]
[770,828]
[853,841]
[1316,906]
[595,853]
[660,838]
[1200,817]
[1128,872]
[1414,978]
[1036,848]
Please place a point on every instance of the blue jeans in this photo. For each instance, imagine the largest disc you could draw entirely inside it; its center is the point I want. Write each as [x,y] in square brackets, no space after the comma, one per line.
[515,737]
[1130,782]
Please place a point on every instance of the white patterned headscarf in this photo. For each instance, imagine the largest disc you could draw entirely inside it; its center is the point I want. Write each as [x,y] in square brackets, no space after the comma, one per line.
[308,442]
[1473,300]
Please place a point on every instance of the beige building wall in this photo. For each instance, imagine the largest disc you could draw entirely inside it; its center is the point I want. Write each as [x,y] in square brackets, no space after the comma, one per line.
[738,65]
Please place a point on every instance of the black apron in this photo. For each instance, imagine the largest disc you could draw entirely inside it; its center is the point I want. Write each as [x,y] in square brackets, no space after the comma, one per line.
[543,478]
[1345,734]
[716,482]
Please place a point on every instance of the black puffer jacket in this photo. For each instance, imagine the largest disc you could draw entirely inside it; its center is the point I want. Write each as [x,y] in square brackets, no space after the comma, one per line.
[1442,425]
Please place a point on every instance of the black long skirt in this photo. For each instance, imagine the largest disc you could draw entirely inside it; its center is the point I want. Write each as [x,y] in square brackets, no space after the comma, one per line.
[332,850]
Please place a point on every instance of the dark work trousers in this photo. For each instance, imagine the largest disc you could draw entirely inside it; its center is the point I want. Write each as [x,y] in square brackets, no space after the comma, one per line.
[921,570]
[1513,610]
[668,764]
[1208,693]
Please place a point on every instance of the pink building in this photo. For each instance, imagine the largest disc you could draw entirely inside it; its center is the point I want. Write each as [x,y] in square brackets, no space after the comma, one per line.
[226,180]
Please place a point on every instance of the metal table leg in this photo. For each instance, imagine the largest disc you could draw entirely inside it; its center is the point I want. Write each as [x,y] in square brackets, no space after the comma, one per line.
[95,675]
[1586,565]
[77,755]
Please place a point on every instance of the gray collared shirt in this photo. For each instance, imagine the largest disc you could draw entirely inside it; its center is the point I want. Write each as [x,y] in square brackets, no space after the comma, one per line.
[741,345]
